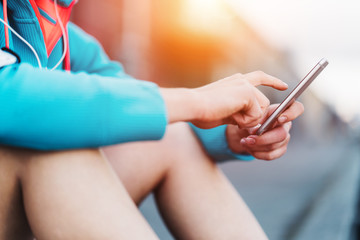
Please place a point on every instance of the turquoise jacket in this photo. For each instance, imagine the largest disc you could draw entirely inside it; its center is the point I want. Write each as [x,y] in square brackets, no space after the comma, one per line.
[96,104]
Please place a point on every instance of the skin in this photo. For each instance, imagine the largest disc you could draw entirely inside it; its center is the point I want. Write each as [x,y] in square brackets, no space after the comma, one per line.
[93,194]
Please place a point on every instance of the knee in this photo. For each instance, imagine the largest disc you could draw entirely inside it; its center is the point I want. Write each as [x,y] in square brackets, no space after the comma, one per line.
[182,144]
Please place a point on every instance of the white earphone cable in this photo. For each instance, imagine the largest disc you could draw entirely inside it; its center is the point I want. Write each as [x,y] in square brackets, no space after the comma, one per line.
[22,39]
[63,36]
[32,48]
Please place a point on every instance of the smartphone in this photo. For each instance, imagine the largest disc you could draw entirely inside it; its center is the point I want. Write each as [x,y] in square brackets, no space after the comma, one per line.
[295,93]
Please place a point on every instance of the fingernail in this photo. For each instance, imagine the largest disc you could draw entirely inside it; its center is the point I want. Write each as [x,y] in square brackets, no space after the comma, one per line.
[242,141]
[282,119]
[250,141]
[285,84]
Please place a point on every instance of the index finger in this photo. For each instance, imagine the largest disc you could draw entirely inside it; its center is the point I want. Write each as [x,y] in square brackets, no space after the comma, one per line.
[260,78]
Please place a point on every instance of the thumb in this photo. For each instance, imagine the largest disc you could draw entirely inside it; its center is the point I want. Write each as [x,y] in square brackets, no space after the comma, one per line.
[249,117]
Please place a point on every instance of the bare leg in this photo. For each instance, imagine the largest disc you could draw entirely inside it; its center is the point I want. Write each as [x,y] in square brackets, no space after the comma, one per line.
[195,199]
[13,222]
[73,195]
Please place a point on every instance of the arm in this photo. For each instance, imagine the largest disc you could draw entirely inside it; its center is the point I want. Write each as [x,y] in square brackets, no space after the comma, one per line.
[57,110]
[96,61]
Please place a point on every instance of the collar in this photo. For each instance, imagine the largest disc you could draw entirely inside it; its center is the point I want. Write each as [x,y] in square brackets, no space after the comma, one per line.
[46,14]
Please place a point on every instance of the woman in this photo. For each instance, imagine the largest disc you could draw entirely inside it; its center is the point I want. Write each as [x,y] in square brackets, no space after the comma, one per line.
[73,190]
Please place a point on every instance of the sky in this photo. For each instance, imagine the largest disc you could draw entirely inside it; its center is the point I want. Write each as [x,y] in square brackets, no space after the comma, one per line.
[310,30]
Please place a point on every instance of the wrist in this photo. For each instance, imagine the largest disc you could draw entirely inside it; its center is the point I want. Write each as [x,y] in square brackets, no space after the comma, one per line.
[234,136]
[181,104]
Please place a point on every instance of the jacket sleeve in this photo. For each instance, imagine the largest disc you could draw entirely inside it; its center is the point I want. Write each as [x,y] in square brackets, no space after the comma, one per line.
[51,110]
[215,143]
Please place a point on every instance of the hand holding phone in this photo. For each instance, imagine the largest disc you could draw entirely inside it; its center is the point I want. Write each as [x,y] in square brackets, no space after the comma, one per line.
[295,93]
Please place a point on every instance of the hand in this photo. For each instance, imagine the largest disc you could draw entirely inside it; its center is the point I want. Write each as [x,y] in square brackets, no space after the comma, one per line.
[234,100]
[271,144]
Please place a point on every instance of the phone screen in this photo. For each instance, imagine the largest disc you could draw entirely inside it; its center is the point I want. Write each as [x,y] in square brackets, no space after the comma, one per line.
[294,94]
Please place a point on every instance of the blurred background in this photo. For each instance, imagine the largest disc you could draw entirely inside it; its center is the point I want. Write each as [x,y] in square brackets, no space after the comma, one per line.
[312,191]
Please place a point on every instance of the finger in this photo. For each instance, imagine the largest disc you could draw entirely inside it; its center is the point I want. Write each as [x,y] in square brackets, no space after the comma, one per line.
[272,136]
[245,121]
[264,102]
[271,109]
[264,148]
[249,116]
[254,113]
[294,111]
[268,156]
[260,78]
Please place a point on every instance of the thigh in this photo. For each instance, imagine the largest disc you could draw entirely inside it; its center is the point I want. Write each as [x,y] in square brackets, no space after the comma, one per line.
[141,166]
[76,195]
[13,221]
